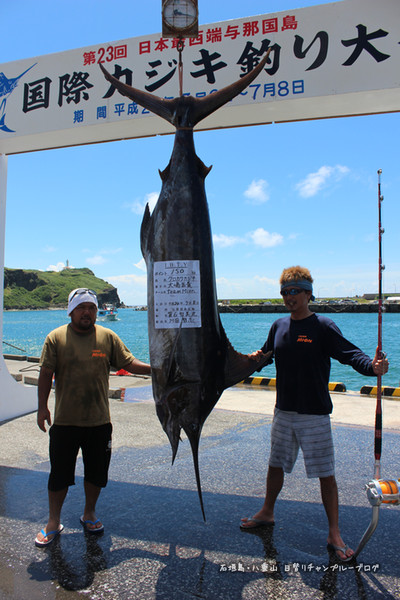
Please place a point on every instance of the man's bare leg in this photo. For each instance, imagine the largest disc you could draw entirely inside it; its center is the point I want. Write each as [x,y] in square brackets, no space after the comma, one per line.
[330,500]
[92,493]
[275,478]
[56,501]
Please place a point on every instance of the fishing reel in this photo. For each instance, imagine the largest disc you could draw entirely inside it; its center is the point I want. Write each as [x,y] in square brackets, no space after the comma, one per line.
[383,491]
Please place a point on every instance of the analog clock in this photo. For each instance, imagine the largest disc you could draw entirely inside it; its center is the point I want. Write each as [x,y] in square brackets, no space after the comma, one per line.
[180,18]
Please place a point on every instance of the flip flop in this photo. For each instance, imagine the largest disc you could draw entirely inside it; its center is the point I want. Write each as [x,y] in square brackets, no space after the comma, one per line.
[335,549]
[257,523]
[84,523]
[55,534]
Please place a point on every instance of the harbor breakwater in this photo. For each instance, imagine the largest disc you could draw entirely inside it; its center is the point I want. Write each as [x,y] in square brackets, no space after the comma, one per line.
[314,307]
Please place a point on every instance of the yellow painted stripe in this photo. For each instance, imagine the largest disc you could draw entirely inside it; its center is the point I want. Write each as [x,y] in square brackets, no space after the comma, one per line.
[386,391]
[337,387]
[261,381]
[271,382]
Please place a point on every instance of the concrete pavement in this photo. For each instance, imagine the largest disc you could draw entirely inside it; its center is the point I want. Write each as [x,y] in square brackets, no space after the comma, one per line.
[155,544]
[349,408]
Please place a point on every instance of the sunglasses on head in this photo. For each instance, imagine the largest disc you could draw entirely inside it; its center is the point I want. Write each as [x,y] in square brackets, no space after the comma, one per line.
[80,291]
[291,292]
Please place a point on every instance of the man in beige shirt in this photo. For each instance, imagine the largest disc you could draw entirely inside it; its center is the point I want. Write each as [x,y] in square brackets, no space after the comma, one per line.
[79,355]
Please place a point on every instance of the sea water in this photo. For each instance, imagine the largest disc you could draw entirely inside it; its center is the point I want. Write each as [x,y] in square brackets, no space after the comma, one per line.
[26,330]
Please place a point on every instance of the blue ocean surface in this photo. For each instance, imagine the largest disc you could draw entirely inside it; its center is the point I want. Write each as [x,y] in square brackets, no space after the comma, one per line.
[247,332]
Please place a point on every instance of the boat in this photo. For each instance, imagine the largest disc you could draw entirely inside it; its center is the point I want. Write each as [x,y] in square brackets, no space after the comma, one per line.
[107,312]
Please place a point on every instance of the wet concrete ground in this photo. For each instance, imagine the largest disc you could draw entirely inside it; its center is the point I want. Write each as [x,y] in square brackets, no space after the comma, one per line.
[156,545]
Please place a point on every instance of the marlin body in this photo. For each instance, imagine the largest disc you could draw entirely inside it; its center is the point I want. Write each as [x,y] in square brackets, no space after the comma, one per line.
[191,365]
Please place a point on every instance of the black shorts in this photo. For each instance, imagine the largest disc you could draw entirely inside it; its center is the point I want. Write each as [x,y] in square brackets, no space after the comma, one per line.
[64,445]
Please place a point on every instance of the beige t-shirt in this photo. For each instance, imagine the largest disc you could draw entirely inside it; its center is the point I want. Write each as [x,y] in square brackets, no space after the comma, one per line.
[81,363]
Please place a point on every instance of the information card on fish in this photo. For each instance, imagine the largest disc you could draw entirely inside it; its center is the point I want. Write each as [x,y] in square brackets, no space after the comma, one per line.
[177,301]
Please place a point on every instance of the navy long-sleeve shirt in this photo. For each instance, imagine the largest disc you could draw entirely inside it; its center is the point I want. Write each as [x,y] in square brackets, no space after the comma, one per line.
[302,351]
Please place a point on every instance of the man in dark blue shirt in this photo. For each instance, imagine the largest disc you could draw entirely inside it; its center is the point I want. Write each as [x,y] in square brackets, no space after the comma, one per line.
[303,344]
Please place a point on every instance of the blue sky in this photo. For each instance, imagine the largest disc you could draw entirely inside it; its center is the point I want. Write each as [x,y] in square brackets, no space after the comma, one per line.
[283,194]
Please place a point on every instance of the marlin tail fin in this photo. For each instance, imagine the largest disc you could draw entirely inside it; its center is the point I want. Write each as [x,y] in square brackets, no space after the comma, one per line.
[185,111]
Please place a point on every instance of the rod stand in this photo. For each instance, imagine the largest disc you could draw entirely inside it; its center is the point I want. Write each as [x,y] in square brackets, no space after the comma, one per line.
[379,491]
[369,531]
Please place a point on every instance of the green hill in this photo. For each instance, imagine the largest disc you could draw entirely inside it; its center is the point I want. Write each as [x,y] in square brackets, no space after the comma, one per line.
[30,289]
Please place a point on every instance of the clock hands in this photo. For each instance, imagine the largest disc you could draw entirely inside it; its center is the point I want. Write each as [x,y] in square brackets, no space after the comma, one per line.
[178,13]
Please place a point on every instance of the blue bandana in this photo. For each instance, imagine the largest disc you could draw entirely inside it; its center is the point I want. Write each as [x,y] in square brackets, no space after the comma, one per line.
[303,284]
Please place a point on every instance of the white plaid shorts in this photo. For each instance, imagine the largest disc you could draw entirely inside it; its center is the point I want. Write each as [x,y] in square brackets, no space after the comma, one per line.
[312,433]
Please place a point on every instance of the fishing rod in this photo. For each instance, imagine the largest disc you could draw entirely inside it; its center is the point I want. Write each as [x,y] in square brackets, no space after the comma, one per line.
[378,490]
[378,411]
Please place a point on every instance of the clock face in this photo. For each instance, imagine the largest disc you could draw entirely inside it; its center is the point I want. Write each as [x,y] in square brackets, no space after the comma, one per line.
[179,14]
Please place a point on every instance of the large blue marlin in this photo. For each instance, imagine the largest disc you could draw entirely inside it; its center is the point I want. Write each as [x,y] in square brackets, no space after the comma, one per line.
[191,366]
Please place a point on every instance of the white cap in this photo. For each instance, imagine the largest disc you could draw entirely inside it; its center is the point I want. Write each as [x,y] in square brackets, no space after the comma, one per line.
[79,296]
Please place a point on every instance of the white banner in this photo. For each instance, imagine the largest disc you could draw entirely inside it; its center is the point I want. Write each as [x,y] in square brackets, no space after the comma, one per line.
[328,60]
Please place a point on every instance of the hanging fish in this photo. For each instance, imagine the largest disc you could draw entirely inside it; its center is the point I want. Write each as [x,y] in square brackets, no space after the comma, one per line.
[192,360]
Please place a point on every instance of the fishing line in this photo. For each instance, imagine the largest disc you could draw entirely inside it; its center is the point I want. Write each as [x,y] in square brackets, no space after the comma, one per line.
[12,346]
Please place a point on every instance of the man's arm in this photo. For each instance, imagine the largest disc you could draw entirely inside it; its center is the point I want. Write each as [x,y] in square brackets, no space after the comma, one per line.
[348,354]
[44,387]
[138,367]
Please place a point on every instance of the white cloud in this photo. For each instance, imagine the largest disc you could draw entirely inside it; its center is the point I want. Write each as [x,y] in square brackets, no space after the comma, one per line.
[225,241]
[266,280]
[130,279]
[151,199]
[110,251]
[141,265]
[314,182]
[257,191]
[96,260]
[138,206]
[132,289]
[265,239]
[251,287]
[58,267]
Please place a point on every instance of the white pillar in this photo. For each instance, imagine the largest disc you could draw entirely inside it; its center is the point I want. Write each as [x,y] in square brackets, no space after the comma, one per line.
[3,197]
[15,398]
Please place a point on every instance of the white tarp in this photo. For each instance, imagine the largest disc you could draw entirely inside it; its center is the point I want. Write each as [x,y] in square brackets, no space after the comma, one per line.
[328,60]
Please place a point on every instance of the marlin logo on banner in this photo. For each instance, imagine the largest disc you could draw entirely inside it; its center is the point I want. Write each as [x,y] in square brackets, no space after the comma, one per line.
[6,87]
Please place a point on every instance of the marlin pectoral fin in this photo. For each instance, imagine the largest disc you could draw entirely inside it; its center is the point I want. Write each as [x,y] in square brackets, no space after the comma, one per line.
[144,230]
[239,366]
